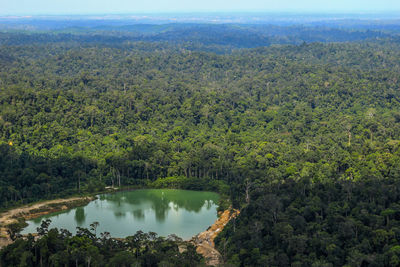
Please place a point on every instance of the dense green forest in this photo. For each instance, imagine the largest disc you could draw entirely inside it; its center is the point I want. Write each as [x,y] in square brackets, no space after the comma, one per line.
[61,248]
[303,138]
[218,38]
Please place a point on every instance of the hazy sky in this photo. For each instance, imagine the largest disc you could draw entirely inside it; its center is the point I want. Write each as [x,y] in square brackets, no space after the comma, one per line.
[49,7]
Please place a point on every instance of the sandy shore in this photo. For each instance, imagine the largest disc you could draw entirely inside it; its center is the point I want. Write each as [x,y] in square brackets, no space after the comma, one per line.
[36,210]
[204,241]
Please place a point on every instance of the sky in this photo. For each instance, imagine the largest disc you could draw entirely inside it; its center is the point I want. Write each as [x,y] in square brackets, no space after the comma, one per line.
[82,7]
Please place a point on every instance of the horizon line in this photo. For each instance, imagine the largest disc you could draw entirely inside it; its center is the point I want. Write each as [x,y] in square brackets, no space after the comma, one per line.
[213,12]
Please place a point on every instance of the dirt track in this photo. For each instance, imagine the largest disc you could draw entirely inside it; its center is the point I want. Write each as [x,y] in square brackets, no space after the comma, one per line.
[204,241]
[33,211]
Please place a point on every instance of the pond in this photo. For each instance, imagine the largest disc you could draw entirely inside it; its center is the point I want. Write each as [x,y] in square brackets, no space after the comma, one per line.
[163,211]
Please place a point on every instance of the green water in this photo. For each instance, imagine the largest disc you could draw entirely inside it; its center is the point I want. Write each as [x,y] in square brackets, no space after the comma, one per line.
[164,211]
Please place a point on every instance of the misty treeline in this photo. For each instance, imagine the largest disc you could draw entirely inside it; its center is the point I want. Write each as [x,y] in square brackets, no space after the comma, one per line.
[304,139]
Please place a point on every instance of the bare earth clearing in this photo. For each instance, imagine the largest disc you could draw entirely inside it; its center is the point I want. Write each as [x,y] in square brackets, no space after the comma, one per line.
[36,210]
[204,241]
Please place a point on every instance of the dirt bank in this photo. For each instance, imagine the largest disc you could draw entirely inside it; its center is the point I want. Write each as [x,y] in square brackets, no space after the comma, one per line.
[36,210]
[204,241]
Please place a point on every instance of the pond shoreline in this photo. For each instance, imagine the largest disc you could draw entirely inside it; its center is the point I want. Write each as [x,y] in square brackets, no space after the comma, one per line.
[35,210]
[204,241]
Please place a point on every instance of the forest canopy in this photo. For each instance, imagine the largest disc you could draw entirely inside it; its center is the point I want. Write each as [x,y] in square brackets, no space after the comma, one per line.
[303,137]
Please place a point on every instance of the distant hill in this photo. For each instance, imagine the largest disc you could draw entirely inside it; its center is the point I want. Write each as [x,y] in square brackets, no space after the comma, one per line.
[190,35]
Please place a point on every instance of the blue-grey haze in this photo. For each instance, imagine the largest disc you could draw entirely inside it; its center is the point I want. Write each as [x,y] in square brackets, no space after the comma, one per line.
[34,7]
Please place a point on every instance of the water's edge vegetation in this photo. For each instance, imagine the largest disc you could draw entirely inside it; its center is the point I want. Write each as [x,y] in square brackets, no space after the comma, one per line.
[12,220]
[303,138]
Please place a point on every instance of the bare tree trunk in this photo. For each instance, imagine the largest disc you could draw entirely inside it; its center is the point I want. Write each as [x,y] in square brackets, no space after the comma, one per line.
[117,175]
[112,176]
[349,136]
[248,185]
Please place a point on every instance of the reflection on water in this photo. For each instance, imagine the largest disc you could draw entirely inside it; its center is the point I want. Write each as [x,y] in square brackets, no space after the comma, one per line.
[138,214]
[180,212]
[161,201]
[80,216]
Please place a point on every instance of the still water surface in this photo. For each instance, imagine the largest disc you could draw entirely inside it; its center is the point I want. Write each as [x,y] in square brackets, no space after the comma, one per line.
[164,211]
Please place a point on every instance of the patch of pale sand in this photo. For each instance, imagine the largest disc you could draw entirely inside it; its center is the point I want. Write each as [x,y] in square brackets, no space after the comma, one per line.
[204,241]
[11,216]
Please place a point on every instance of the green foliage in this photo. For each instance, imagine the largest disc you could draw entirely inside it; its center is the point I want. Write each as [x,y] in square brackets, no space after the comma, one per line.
[59,248]
[14,228]
[215,37]
[178,182]
[303,138]
[320,224]
[91,117]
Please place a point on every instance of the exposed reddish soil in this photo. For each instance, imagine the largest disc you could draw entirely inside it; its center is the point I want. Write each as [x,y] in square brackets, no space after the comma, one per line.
[204,241]
[33,211]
